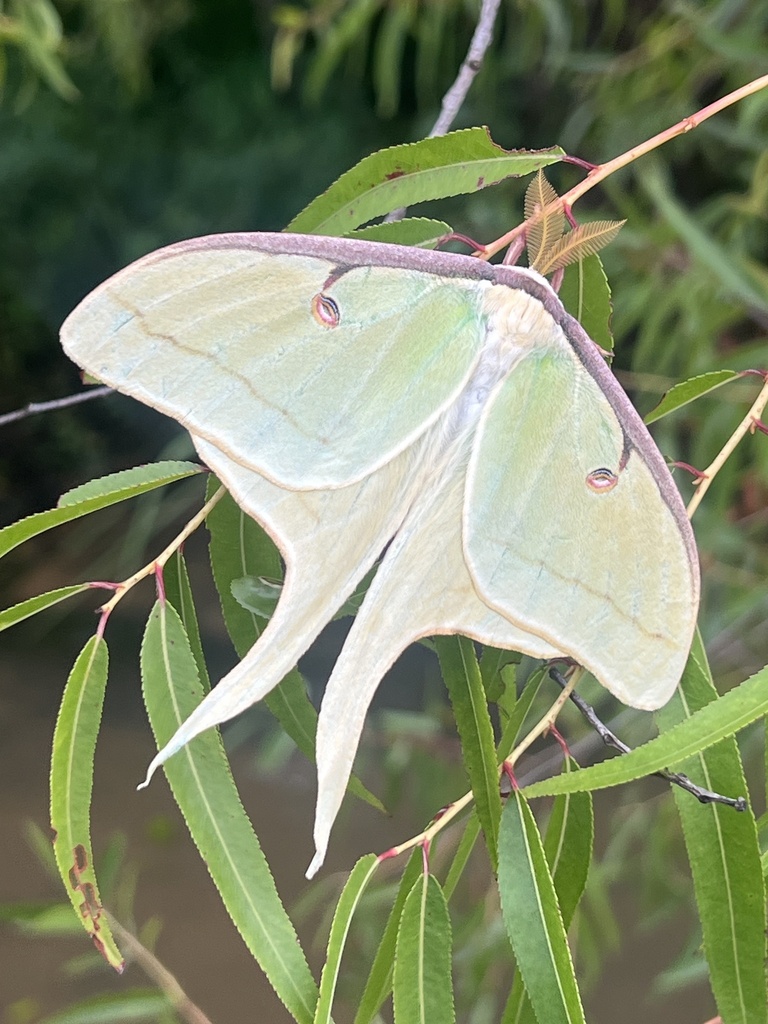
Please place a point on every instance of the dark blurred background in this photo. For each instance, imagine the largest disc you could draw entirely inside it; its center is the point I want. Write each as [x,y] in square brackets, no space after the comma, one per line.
[128,124]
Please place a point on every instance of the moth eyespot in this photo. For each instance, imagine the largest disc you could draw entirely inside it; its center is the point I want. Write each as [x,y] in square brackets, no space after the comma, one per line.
[325,310]
[601,480]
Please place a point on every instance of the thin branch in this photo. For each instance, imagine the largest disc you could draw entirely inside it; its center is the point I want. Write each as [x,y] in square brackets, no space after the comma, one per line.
[156,566]
[457,93]
[57,403]
[447,814]
[610,739]
[159,974]
[603,171]
[478,47]
[749,423]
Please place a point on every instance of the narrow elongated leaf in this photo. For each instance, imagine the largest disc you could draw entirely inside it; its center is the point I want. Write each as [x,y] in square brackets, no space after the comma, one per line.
[492,662]
[178,591]
[419,231]
[463,852]
[568,849]
[586,294]
[522,706]
[707,726]
[99,494]
[458,664]
[348,903]
[532,918]
[688,391]
[154,474]
[379,983]
[74,744]
[725,862]
[239,548]
[202,785]
[33,605]
[423,989]
[455,164]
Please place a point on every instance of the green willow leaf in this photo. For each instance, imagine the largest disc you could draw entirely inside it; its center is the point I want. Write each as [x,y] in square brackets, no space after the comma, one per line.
[95,495]
[74,744]
[379,983]
[423,988]
[203,788]
[420,231]
[724,855]
[458,664]
[178,591]
[348,903]
[239,548]
[33,605]
[463,851]
[723,717]
[532,918]
[688,391]
[458,163]
[568,849]
[522,706]
[586,295]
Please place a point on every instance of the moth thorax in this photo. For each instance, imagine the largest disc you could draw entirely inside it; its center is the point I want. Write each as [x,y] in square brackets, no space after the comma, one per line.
[517,322]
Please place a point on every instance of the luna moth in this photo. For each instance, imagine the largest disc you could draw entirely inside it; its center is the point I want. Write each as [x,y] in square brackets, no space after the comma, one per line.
[364,402]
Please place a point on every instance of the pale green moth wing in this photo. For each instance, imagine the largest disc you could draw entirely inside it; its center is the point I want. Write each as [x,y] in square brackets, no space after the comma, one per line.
[307,369]
[573,528]
[329,540]
[421,588]
[354,395]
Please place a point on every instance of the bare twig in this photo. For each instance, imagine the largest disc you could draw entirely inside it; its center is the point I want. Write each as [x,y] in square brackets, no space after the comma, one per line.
[159,974]
[478,47]
[57,403]
[749,423]
[603,171]
[704,796]
[454,98]
[156,566]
